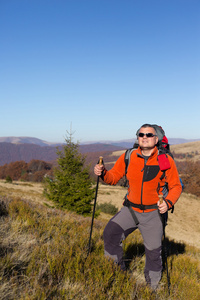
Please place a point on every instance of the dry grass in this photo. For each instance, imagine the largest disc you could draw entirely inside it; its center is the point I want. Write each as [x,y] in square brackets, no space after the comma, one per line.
[44,256]
[191,149]
[28,190]
[43,251]
[186,147]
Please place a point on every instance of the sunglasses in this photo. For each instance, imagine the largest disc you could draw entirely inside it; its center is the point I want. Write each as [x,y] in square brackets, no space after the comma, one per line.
[148,135]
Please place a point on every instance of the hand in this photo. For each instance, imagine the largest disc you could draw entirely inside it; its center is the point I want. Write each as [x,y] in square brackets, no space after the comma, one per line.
[98,169]
[162,207]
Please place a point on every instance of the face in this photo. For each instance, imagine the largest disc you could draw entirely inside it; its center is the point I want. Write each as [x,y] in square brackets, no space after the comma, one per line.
[147,142]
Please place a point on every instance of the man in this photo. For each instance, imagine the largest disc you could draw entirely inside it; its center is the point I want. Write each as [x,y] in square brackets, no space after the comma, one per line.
[142,207]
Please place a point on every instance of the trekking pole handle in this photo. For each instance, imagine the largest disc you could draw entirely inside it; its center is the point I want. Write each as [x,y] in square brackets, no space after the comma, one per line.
[160,198]
[100,160]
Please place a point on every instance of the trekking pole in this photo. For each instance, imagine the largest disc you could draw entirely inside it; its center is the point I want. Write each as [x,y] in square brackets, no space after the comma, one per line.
[165,245]
[95,200]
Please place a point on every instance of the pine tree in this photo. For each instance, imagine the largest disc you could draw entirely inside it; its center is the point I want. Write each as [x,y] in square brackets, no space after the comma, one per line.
[72,187]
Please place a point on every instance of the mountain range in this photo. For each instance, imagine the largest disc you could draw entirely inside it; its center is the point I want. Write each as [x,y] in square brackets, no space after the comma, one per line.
[127,143]
[27,148]
[26,140]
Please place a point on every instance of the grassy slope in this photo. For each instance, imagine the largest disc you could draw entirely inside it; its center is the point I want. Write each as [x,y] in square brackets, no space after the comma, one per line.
[192,149]
[43,255]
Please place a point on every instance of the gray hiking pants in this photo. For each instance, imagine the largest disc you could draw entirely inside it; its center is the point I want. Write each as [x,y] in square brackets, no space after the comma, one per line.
[150,226]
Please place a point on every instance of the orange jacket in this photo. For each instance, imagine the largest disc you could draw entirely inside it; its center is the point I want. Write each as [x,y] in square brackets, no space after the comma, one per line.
[145,179]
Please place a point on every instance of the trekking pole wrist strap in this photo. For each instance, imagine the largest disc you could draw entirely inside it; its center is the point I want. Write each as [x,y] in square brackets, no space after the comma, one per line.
[169,203]
[103,173]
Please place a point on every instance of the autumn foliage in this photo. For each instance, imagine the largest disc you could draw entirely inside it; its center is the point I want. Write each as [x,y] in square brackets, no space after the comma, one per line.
[190,174]
[35,170]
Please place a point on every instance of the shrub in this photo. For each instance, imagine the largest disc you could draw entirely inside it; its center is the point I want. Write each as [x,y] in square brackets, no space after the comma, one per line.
[3,207]
[8,179]
[107,208]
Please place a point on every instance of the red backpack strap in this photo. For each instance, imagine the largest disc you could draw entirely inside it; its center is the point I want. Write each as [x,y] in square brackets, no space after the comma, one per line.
[163,162]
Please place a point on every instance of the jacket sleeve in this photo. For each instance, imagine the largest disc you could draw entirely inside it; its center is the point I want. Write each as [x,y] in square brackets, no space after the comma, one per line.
[116,173]
[174,184]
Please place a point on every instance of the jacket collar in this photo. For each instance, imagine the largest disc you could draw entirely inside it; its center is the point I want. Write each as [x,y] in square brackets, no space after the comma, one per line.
[155,152]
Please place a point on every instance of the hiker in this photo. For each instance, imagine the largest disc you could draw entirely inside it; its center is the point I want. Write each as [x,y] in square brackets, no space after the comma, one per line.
[142,208]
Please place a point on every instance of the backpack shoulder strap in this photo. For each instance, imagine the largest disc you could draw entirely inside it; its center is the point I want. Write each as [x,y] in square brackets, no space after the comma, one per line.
[127,158]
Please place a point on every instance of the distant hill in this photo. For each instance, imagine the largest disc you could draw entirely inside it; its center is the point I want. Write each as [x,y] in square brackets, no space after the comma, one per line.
[25,140]
[15,152]
[99,148]
[10,152]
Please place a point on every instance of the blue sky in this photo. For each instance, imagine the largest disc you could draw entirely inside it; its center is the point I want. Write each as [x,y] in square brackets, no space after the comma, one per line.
[100,67]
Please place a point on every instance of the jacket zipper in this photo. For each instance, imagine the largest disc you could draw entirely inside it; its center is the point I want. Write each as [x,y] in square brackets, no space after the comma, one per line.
[145,161]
